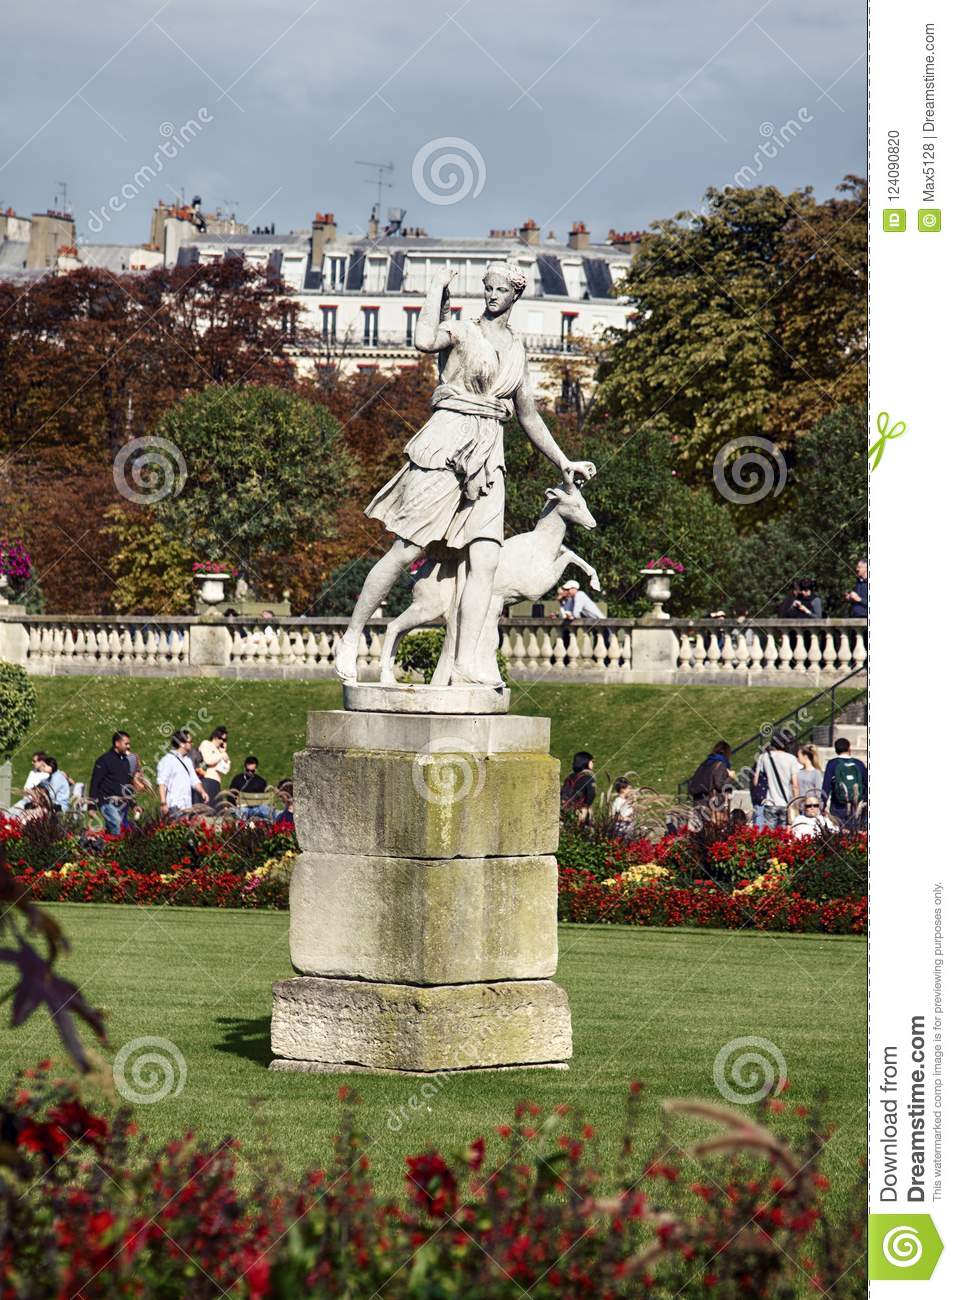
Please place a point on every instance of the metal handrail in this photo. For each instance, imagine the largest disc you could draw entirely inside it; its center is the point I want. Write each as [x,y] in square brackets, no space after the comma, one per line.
[770,728]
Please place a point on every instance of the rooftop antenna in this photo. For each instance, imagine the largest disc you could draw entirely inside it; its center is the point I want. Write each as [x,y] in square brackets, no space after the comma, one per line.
[380,182]
[229,207]
[60,202]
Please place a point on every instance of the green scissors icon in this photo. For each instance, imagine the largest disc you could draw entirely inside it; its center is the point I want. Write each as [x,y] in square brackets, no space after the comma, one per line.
[886,431]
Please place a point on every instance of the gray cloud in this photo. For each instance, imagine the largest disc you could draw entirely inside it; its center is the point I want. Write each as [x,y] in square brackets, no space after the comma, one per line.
[614,112]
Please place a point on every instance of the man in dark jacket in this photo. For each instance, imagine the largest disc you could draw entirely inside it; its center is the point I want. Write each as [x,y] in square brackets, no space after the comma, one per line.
[248,781]
[713,775]
[857,599]
[111,783]
[845,783]
[579,788]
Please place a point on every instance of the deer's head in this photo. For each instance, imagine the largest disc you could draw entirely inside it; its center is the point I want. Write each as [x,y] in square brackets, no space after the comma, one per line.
[570,505]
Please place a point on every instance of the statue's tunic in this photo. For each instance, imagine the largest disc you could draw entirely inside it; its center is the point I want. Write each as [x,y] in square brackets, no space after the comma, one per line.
[452,486]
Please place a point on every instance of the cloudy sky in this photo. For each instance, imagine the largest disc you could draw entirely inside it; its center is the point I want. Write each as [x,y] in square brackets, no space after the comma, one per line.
[611,112]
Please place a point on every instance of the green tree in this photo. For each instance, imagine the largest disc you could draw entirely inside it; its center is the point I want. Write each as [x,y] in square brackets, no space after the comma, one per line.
[642,510]
[820,531]
[265,470]
[757,297]
[18,708]
[152,568]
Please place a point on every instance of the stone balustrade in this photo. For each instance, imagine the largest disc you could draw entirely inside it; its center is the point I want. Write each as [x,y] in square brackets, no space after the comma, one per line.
[772,652]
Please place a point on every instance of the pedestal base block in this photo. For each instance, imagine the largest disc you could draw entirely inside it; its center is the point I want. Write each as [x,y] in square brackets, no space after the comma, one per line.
[400,1027]
[402,920]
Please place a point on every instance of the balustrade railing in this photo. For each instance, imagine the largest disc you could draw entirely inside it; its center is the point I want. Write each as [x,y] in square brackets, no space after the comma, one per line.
[773,652]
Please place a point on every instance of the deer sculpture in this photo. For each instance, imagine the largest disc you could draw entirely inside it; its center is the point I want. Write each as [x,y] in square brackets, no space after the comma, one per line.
[530,565]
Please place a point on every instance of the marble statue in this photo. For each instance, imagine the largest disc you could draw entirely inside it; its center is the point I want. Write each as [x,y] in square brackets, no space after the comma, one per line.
[449,496]
[530,565]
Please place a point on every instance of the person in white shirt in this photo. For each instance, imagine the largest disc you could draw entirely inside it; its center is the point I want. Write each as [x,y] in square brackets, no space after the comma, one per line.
[34,777]
[812,820]
[777,765]
[576,603]
[176,776]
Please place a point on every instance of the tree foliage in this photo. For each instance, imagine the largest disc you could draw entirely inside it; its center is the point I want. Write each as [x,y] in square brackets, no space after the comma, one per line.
[151,567]
[749,320]
[18,708]
[265,469]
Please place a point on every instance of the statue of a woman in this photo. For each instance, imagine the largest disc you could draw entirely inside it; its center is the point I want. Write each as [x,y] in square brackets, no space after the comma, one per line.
[449,496]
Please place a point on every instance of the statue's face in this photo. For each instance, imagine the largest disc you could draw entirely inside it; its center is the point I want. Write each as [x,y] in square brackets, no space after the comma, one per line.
[499,294]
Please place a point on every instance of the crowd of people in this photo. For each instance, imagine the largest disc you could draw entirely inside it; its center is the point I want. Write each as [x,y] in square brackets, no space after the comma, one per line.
[190,779]
[787,787]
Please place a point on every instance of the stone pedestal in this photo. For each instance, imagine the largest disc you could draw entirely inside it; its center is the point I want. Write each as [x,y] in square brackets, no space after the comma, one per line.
[423,906]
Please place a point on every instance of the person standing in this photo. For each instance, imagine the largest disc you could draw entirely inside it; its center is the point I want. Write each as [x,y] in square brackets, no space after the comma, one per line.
[579,788]
[215,763]
[857,599]
[711,777]
[771,783]
[110,784]
[810,778]
[845,783]
[808,603]
[176,777]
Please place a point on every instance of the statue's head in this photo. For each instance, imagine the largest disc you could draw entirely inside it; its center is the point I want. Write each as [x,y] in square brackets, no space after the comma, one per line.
[503,283]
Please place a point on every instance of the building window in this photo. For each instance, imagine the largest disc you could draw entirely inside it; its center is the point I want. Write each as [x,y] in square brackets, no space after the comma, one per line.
[376,269]
[336,272]
[456,313]
[411,317]
[568,325]
[329,324]
[370,327]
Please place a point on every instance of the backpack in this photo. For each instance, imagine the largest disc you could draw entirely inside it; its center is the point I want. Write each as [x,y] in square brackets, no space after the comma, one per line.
[846,785]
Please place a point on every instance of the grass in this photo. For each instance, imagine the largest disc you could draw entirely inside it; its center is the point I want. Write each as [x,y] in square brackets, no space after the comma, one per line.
[660,732]
[657,1005]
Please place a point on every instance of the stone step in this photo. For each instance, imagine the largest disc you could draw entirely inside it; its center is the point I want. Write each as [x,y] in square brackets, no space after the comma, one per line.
[856,734]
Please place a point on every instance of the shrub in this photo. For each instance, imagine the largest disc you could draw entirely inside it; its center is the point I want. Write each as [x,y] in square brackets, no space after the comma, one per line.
[419,653]
[90,1207]
[18,708]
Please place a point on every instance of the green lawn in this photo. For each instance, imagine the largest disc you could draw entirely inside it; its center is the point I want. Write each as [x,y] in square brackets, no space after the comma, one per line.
[657,1005]
[660,732]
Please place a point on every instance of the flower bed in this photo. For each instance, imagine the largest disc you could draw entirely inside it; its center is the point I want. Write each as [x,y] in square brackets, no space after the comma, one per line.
[89,1207]
[751,879]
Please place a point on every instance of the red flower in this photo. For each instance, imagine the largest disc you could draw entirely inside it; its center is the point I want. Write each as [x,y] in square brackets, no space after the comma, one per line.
[432,1184]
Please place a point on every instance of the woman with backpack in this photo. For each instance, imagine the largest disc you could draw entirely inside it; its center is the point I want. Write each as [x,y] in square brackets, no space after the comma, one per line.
[711,777]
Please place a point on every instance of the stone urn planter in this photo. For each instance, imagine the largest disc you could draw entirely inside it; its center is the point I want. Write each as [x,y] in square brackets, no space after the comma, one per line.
[658,590]
[212,586]
[4,585]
